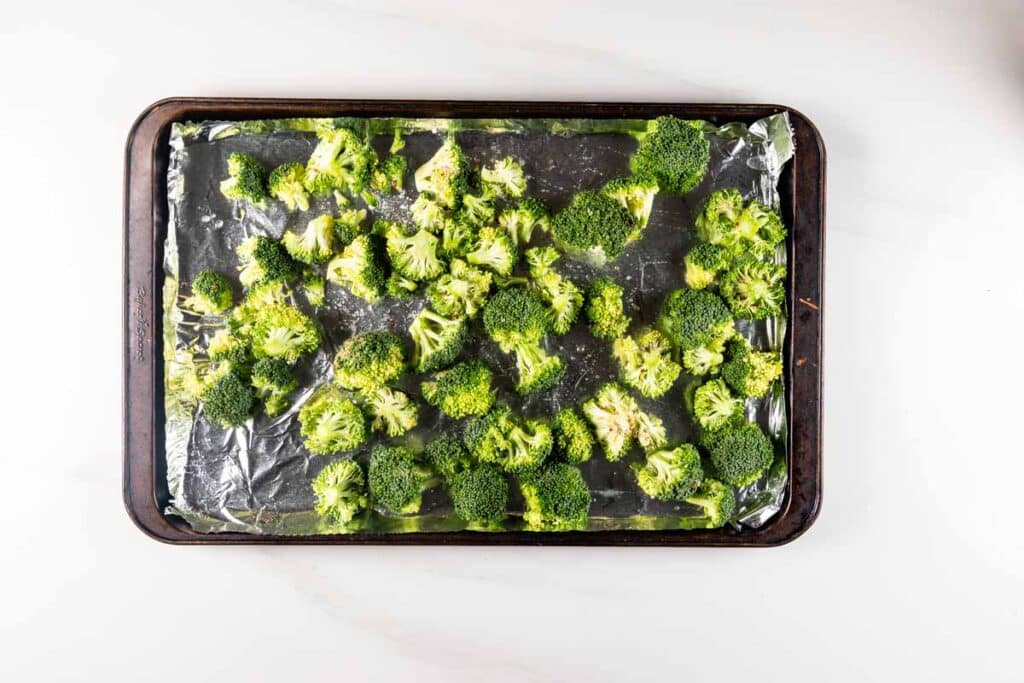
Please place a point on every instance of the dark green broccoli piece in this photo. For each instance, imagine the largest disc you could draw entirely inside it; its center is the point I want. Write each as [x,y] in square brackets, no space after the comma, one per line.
[674,152]
[563,298]
[348,224]
[537,370]
[211,293]
[645,363]
[741,228]
[370,360]
[494,250]
[230,348]
[227,399]
[283,331]
[360,268]
[340,492]
[741,455]
[754,289]
[447,456]
[692,318]
[594,228]
[340,162]
[718,502]
[461,391]
[438,340]
[314,286]
[391,411]
[477,209]
[416,256]
[512,443]
[515,317]
[556,498]
[480,496]
[670,474]
[504,178]
[458,238]
[749,372]
[605,309]
[273,380]
[703,264]
[636,194]
[573,439]
[285,184]
[389,175]
[461,291]
[315,244]
[400,287]
[331,423]
[262,259]
[529,215]
[613,413]
[445,176]
[397,481]
[246,179]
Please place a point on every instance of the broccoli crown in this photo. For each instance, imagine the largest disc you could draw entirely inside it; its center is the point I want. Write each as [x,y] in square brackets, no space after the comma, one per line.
[717,501]
[348,224]
[211,293]
[447,456]
[399,287]
[389,175]
[692,318]
[593,227]
[445,176]
[246,179]
[477,209]
[283,331]
[650,431]
[229,347]
[742,454]
[262,259]
[754,289]
[703,264]
[671,474]
[391,411]
[674,152]
[227,400]
[563,298]
[515,317]
[740,228]
[504,177]
[718,214]
[573,439]
[494,250]
[331,423]
[612,413]
[514,444]
[555,498]
[749,372]
[480,496]
[438,341]
[397,481]
[314,286]
[461,291]
[461,391]
[360,268]
[459,238]
[369,360]
[636,194]
[714,406]
[272,378]
[285,184]
[427,214]
[340,491]
[412,256]
[537,370]
[605,309]
[340,161]
[645,363]
[315,244]
[258,297]
[702,360]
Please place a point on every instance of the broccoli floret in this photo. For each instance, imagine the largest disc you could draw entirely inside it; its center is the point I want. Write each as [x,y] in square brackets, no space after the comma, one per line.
[262,259]
[703,360]
[645,363]
[461,291]
[714,406]
[612,413]
[397,481]
[447,456]
[494,250]
[531,214]
[360,268]
[314,286]
[605,309]
[650,431]
[258,297]
[749,372]
[504,177]
[283,331]
[331,423]
[692,318]
[458,238]
[412,256]
[556,498]
[211,293]
[754,289]
[717,217]
[636,194]
[537,370]
[461,391]
[593,227]
[227,399]
[400,287]
[340,162]
[563,298]
[718,502]
[741,455]
[246,179]
[514,444]
[389,175]
[445,177]
[438,340]
[703,264]
[391,411]
[515,317]
[348,224]
[228,347]
[573,439]
[315,244]
[477,209]
[480,496]
[758,230]
[369,360]
[674,152]
[340,491]
[427,214]
[273,380]
[670,474]
[285,184]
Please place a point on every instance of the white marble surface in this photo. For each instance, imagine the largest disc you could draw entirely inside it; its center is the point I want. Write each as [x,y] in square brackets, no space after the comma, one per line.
[920,104]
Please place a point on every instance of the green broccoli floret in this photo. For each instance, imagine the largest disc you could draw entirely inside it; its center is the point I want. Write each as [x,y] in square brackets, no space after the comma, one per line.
[458,238]
[477,209]
[758,230]
[461,391]
[447,456]
[360,268]
[461,291]
[504,177]
[315,244]
[211,293]
[605,309]
[389,175]
[258,297]
[285,184]
[714,406]
[331,423]
[593,228]
[670,474]
[230,348]
[703,360]
[494,250]
[749,372]
[340,162]
[397,481]
[718,502]
[538,371]
[480,496]
[427,214]
[369,360]
[563,298]
[674,152]
[314,286]
[754,289]
[348,224]
[262,259]
[227,399]
[741,455]
[717,217]
[556,498]
[692,318]
[514,444]
[390,411]
[573,439]
[530,214]
[636,194]
[340,491]
[246,179]
[282,331]
[412,256]
[273,380]
[645,363]
[400,287]
[515,317]
[650,431]
[703,264]
[612,413]
[438,340]
[445,176]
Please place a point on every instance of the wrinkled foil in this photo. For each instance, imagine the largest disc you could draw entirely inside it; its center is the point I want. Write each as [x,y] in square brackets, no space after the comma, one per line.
[256,478]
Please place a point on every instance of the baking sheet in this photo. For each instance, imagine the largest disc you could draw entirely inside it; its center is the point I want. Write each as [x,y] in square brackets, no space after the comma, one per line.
[255,478]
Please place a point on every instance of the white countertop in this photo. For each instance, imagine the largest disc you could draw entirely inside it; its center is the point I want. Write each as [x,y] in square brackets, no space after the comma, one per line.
[913,571]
